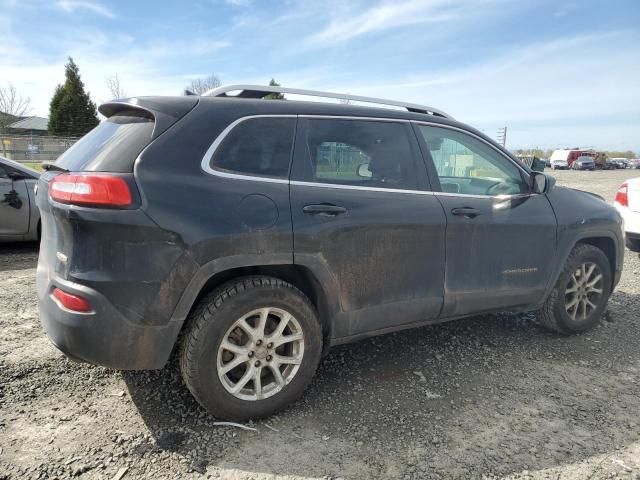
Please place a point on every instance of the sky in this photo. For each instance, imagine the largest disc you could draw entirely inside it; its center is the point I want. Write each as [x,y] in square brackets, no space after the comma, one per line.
[556,73]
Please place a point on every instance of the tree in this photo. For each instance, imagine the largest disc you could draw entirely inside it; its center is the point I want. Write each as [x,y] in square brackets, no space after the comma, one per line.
[71,111]
[203,85]
[621,154]
[12,105]
[115,89]
[274,96]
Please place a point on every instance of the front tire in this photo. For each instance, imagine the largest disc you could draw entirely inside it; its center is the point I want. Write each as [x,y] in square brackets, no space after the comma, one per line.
[580,295]
[251,348]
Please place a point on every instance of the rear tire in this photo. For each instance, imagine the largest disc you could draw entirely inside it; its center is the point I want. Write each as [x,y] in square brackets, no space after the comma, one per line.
[251,348]
[579,298]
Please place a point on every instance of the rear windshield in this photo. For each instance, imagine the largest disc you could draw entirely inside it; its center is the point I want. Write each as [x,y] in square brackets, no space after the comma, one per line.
[112,146]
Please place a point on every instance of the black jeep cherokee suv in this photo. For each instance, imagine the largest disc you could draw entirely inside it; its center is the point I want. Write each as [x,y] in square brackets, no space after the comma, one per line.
[261,232]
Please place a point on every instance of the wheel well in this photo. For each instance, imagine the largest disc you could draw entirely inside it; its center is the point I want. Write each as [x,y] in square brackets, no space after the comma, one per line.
[607,246]
[297,275]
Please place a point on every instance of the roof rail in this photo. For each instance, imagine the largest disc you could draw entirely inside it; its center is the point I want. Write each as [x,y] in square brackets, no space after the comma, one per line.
[259,91]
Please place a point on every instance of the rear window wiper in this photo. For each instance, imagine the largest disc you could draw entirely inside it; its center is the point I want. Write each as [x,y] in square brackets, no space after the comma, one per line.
[50,166]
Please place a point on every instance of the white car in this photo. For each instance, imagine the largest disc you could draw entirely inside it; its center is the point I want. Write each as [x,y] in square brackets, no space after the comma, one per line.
[19,214]
[559,164]
[627,202]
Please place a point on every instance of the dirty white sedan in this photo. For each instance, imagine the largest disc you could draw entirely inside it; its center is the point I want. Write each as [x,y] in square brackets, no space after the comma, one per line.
[19,215]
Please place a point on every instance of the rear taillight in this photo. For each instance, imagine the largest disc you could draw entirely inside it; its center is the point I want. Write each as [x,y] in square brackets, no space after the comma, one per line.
[90,189]
[71,302]
[622,196]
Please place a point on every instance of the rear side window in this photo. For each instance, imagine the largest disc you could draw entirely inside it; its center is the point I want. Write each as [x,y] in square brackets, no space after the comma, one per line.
[359,153]
[112,146]
[257,146]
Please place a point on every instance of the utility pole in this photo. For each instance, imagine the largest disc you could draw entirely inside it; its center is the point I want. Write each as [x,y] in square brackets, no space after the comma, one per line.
[502,136]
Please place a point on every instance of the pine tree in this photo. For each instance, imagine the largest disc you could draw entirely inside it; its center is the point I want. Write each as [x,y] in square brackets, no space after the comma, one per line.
[274,96]
[71,112]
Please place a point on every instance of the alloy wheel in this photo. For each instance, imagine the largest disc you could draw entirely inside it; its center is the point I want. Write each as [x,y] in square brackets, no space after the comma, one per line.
[584,291]
[260,353]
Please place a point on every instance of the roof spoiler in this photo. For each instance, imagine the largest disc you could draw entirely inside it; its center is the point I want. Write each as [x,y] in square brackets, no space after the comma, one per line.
[165,111]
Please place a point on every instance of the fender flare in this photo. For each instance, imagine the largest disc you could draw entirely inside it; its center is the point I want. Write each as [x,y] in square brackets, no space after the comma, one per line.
[219,265]
[565,248]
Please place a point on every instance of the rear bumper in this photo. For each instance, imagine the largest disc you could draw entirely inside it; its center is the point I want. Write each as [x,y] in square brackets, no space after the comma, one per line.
[631,227]
[103,337]
[632,241]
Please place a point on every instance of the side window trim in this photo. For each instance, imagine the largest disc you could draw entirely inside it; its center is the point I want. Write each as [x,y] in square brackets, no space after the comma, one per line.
[206,159]
[430,182]
[429,165]
[524,174]
[297,173]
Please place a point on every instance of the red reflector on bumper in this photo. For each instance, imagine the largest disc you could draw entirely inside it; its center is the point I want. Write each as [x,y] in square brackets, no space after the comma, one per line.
[71,302]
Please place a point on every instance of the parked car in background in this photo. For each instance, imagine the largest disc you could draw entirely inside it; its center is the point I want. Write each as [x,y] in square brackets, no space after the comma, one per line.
[612,164]
[261,233]
[19,215]
[569,156]
[559,164]
[583,163]
[621,162]
[602,162]
[627,202]
[547,162]
[634,163]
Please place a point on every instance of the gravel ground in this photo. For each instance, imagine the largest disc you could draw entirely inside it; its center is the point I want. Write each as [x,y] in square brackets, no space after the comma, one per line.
[487,397]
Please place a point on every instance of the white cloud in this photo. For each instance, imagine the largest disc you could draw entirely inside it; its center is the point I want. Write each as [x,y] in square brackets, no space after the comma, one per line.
[192,47]
[70,6]
[565,9]
[141,66]
[544,92]
[388,14]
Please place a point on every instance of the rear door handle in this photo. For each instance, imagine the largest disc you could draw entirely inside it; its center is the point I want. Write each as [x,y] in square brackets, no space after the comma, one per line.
[467,212]
[324,209]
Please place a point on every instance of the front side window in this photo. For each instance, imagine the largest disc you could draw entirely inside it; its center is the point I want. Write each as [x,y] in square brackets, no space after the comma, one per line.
[257,146]
[360,153]
[468,166]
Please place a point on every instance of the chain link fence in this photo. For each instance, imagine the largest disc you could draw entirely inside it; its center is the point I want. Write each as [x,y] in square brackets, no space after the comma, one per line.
[34,148]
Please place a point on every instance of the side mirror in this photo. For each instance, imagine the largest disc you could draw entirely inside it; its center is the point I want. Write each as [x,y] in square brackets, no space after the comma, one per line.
[541,183]
[363,171]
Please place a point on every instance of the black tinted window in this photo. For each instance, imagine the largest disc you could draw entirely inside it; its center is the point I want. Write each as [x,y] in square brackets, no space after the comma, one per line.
[360,152]
[112,146]
[258,146]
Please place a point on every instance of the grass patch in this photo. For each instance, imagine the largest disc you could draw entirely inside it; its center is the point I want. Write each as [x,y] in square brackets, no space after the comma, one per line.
[34,165]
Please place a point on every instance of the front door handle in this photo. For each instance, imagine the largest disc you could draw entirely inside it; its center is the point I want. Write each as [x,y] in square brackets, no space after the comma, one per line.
[324,209]
[467,212]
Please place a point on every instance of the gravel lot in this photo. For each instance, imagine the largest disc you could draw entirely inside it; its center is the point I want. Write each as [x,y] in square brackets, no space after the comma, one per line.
[488,397]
